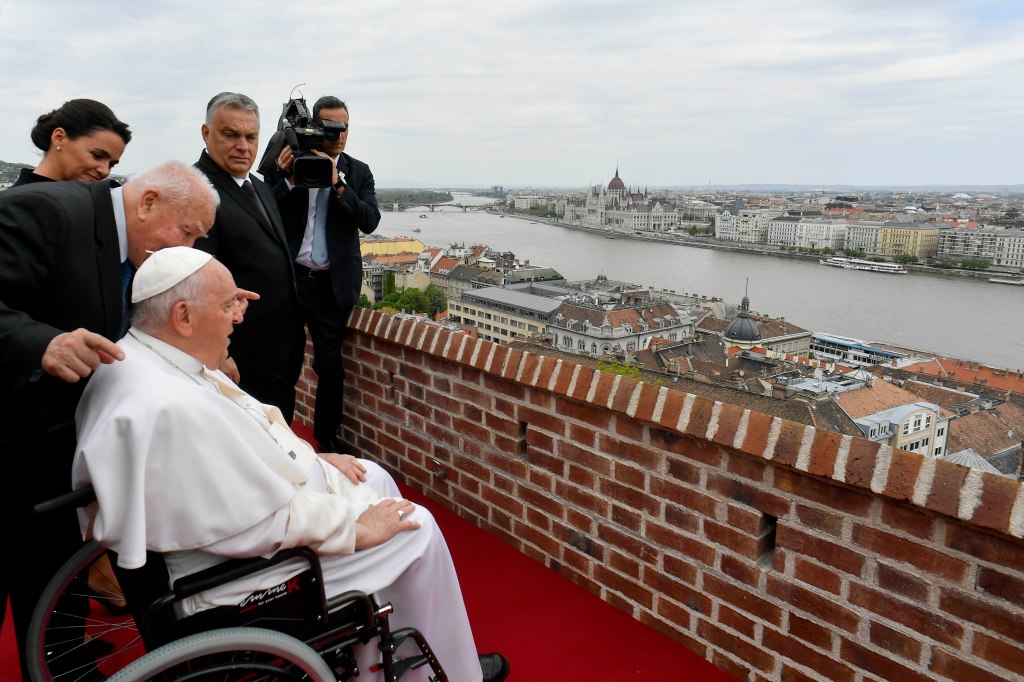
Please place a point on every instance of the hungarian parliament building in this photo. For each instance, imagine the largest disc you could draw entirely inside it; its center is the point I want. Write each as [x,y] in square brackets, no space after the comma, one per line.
[620,209]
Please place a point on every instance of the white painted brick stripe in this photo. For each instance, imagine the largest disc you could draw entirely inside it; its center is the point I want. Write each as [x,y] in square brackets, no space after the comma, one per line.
[923,487]
[880,476]
[803,457]
[615,390]
[572,381]
[970,494]
[773,438]
[839,469]
[741,430]
[593,387]
[554,375]
[490,357]
[634,400]
[684,414]
[522,367]
[476,351]
[1017,515]
[536,371]
[712,429]
[659,404]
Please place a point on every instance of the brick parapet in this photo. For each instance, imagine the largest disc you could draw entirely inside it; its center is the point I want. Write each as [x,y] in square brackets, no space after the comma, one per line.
[771,548]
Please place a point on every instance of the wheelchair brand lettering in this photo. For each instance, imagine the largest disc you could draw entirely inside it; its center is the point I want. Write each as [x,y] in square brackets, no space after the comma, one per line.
[257,599]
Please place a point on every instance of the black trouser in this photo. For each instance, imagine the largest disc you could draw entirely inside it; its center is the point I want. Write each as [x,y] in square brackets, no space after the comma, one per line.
[39,470]
[327,323]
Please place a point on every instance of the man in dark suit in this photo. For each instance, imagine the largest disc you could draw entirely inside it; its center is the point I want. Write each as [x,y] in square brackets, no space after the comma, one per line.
[323,227]
[67,251]
[248,238]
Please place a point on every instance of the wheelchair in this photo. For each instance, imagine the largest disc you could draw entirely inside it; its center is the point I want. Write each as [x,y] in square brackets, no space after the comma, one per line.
[130,629]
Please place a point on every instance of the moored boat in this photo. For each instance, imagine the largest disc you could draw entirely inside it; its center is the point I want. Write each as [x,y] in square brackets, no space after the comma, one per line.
[866,265]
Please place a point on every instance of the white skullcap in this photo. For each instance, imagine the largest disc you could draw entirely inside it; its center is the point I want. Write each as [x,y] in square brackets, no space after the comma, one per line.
[165,268]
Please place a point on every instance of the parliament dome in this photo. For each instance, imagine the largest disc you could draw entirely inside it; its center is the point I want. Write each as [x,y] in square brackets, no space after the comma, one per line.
[616,182]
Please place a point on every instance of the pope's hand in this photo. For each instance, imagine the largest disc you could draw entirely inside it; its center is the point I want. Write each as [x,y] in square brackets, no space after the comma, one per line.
[73,355]
[383,521]
[348,465]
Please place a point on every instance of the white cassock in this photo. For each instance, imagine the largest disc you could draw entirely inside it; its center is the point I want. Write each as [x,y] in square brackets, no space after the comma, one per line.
[186,464]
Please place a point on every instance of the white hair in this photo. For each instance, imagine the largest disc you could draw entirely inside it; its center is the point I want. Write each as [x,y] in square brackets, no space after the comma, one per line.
[179,183]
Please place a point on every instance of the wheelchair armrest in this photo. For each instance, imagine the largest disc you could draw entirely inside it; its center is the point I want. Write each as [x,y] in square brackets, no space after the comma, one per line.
[234,569]
[73,499]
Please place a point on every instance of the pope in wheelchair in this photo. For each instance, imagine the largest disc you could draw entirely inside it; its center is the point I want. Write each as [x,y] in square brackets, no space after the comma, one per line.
[187,465]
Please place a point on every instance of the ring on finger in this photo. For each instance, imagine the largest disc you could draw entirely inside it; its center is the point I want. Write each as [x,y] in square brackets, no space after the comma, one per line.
[401,514]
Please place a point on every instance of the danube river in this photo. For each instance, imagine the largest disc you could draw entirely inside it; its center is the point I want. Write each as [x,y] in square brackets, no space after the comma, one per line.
[970,319]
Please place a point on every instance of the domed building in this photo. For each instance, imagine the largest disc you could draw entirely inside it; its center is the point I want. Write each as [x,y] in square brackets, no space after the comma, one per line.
[749,330]
[742,331]
[618,208]
[616,184]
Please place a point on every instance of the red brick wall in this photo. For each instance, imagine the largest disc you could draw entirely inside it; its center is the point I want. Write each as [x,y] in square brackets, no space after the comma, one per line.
[776,551]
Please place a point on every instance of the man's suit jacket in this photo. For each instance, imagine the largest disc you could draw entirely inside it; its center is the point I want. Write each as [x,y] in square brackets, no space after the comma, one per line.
[60,269]
[268,345]
[353,212]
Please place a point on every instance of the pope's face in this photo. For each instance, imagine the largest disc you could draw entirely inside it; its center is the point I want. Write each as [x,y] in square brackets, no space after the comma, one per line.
[232,138]
[216,312]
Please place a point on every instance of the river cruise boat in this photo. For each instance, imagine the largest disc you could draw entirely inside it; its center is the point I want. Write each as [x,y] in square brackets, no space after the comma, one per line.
[861,264]
[1007,280]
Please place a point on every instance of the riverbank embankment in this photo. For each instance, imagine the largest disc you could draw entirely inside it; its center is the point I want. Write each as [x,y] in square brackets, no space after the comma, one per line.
[757,249]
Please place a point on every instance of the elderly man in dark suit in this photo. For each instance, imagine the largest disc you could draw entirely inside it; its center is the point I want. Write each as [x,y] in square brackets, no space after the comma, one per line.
[323,227]
[67,254]
[249,239]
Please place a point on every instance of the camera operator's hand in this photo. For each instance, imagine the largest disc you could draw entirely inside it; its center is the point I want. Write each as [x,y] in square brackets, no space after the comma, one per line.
[284,162]
[334,175]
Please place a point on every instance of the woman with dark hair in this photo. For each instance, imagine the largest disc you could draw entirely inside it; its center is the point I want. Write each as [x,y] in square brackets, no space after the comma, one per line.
[82,140]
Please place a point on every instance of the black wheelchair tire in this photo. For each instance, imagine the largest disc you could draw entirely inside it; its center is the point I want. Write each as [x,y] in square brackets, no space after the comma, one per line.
[67,581]
[290,658]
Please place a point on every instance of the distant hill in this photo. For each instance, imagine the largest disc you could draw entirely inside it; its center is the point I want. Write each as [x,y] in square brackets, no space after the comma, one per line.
[9,172]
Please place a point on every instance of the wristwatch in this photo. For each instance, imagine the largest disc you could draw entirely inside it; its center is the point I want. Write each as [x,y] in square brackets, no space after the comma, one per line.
[339,184]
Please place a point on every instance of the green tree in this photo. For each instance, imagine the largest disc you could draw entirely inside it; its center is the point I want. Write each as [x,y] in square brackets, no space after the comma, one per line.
[364,302]
[975,263]
[905,258]
[389,283]
[436,299]
[389,302]
[414,301]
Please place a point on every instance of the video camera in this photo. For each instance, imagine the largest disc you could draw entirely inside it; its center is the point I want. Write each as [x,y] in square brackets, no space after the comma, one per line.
[296,129]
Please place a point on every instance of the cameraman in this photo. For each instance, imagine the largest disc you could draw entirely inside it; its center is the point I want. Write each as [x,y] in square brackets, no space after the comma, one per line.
[322,226]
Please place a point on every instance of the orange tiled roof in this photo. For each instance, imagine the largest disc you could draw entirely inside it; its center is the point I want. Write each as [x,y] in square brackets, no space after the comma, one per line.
[988,432]
[444,265]
[970,373]
[880,396]
[396,259]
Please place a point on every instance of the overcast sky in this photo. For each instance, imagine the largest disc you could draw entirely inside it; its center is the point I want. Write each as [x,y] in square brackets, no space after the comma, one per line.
[550,93]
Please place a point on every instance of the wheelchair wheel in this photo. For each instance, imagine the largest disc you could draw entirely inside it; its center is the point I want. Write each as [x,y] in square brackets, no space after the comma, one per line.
[80,631]
[230,654]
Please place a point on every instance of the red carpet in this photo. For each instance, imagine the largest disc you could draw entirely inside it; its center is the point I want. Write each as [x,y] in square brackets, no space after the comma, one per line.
[550,629]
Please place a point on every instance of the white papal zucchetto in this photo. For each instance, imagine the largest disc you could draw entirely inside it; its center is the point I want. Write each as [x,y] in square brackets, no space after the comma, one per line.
[165,268]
